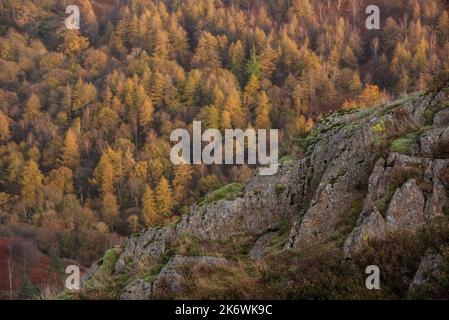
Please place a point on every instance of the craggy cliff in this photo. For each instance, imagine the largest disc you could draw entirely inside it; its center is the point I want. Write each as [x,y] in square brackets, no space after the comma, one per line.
[371,187]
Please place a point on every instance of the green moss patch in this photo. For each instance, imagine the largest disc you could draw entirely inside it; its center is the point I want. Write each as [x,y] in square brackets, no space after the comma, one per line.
[228,192]
[108,261]
[280,188]
[285,160]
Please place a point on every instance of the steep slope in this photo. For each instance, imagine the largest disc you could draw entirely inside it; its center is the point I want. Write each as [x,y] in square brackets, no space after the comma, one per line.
[368,178]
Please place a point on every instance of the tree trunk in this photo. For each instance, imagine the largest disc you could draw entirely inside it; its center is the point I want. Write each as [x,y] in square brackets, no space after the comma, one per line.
[10,270]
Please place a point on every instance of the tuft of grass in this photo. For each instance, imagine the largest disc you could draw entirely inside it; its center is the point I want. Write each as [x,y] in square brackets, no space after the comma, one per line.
[305,142]
[404,144]
[189,245]
[382,204]
[152,274]
[349,222]
[428,115]
[287,159]
[108,261]
[401,146]
[282,233]
[228,192]
[280,188]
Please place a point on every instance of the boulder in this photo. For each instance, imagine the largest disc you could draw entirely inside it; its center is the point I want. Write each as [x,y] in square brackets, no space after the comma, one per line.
[137,290]
[429,271]
[169,281]
[262,245]
[150,245]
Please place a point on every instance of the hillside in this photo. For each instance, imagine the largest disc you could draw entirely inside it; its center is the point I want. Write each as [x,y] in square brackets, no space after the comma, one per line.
[372,189]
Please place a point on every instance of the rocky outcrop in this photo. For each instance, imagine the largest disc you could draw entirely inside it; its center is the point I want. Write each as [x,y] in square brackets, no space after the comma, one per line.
[137,290]
[169,281]
[404,194]
[150,245]
[267,200]
[392,159]
[430,269]
[262,245]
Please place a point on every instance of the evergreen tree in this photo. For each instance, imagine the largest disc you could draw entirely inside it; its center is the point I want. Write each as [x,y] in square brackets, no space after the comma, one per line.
[253,67]
[28,291]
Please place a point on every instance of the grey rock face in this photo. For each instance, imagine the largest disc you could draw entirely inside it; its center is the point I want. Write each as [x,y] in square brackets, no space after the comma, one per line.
[406,209]
[441,119]
[435,142]
[261,247]
[413,203]
[429,269]
[149,245]
[342,161]
[137,290]
[89,273]
[267,200]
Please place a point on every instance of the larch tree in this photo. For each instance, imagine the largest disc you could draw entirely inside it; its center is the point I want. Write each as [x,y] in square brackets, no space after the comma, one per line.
[207,54]
[157,89]
[149,211]
[73,43]
[162,45]
[33,107]
[104,175]
[146,112]
[30,181]
[109,209]
[178,39]
[443,27]
[70,151]
[62,178]
[370,96]
[182,183]
[83,94]
[5,133]
[251,90]
[164,197]
[191,88]
[263,111]
[233,106]
[268,60]
[237,60]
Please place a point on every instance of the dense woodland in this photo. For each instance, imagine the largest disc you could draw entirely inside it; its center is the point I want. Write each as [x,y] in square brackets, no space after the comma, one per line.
[85,116]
